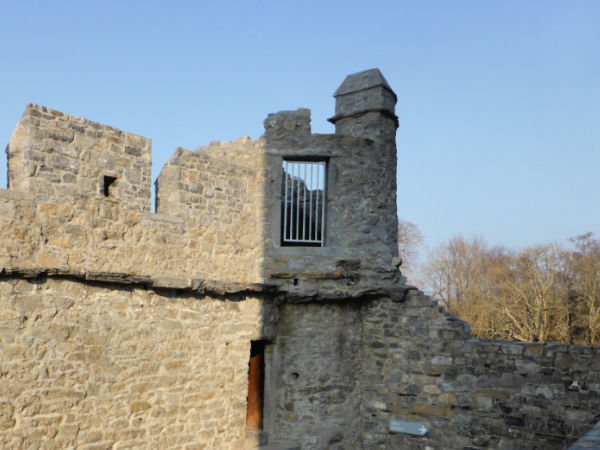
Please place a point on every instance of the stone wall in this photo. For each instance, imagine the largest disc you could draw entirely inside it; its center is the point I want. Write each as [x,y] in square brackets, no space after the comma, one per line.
[95,365]
[214,182]
[89,363]
[361,223]
[79,202]
[100,235]
[233,190]
[422,365]
[58,155]
[123,328]
[218,191]
[314,373]
[100,364]
[59,213]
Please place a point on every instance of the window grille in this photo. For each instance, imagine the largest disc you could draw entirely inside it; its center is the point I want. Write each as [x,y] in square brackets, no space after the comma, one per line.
[303,203]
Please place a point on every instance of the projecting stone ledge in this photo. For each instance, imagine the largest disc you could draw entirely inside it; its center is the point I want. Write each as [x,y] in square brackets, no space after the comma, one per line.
[280,447]
[195,285]
[396,291]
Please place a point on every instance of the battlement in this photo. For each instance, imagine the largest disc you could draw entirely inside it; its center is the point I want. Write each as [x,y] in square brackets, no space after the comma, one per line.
[230,211]
[58,155]
[287,124]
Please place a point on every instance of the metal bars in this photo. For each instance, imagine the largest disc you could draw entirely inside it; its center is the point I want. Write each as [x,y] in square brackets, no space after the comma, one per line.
[303,203]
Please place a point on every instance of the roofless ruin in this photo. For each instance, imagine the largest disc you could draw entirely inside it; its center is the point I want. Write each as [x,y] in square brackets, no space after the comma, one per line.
[261,305]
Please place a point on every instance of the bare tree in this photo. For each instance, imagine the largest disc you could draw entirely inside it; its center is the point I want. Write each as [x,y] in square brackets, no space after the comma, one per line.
[533,298]
[410,240]
[585,284]
[541,293]
[461,275]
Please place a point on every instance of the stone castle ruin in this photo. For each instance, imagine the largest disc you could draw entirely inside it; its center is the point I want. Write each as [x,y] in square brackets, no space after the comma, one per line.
[261,305]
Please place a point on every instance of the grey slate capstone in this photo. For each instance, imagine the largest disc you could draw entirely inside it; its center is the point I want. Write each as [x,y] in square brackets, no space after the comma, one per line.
[361,81]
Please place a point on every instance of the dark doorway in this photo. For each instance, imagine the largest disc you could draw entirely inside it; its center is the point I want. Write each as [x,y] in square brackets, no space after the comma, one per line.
[256,385]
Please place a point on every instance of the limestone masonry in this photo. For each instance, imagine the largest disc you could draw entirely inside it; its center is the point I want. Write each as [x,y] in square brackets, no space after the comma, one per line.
[261,305]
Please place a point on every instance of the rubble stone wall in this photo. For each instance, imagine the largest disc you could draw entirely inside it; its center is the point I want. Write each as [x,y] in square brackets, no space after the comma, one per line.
[421,364]
[86,363]
[58,155]
[314,373]
[123,328]
[94,365]
[361,222]
[214,181]
[100,235]
[218,208]
[218,191]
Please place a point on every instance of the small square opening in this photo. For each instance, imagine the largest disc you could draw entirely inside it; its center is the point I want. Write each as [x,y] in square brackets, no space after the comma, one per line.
[107,182]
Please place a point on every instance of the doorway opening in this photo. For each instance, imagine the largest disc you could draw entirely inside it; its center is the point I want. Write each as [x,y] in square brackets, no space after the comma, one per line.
[256,386]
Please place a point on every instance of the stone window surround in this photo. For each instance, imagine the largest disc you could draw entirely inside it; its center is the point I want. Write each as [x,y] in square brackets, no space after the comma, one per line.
[308,154]
[320,222]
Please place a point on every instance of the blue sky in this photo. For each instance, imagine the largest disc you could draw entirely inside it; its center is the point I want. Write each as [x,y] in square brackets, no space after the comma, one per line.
[498,101]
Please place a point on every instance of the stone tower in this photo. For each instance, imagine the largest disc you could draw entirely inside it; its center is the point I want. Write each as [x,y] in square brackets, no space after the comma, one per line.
[359,207]
[365,106]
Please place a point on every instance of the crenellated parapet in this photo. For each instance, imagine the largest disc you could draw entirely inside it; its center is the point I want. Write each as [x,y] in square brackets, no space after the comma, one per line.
[211,181]
[310,213]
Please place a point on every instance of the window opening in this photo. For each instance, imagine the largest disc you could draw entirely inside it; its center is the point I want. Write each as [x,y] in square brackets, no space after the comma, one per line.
[256,385]
[303,203]
[108,182]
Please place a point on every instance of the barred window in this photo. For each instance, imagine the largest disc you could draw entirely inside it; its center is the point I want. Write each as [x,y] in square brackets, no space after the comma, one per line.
[303,203]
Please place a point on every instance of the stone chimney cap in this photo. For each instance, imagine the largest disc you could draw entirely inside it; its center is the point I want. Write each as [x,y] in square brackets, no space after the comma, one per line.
[361,81]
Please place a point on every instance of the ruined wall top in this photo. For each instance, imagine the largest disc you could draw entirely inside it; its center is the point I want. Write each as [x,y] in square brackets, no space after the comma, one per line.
[79,199]
[286,122]
[57,155]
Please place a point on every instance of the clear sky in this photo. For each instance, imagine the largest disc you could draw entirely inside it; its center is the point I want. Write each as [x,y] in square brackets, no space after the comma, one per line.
[498,101]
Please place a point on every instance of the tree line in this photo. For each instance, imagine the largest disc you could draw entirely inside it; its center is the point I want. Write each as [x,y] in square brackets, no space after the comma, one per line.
[546,292]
